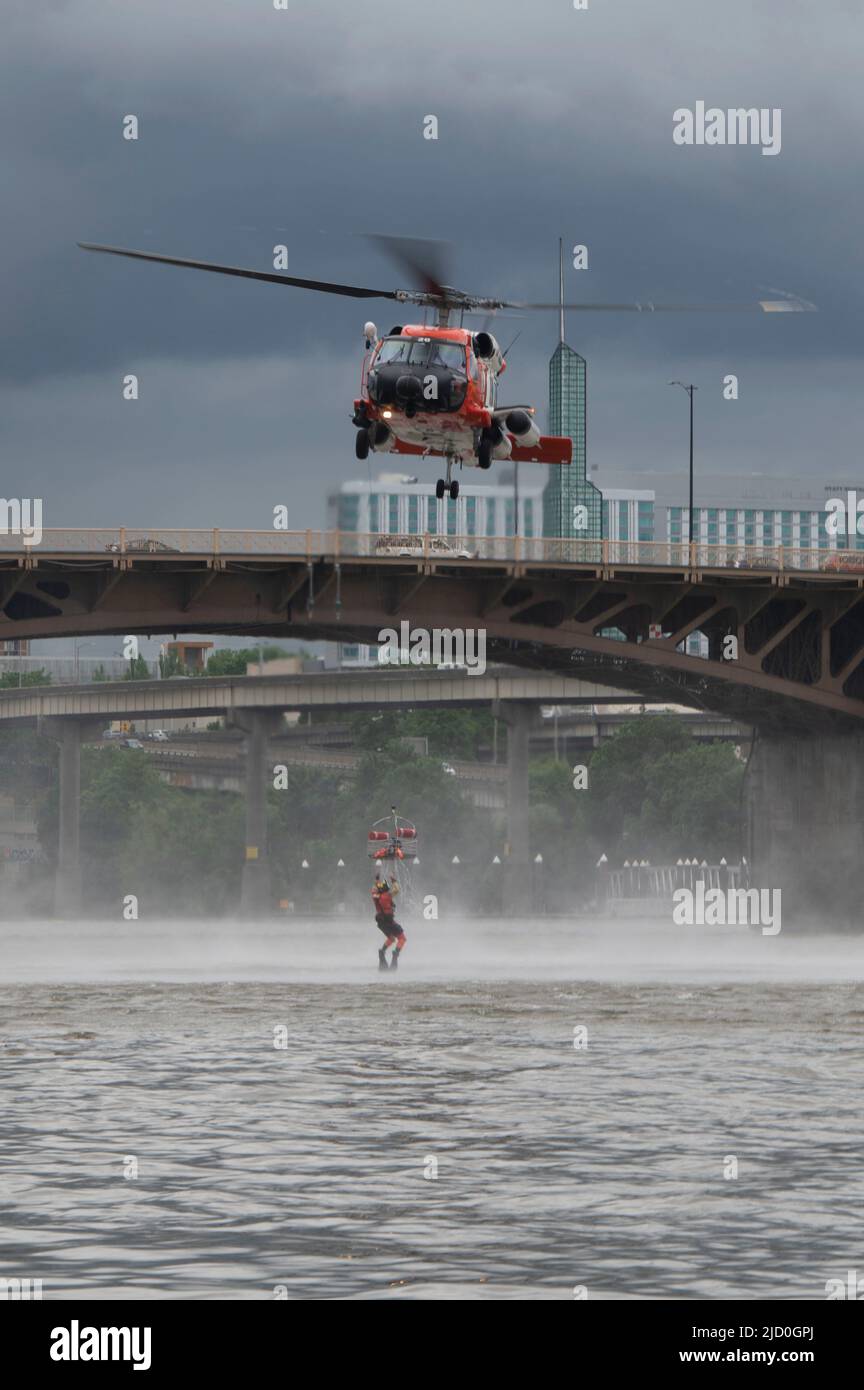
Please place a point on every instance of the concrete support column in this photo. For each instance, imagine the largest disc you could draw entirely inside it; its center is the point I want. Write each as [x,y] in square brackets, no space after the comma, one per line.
[69,733]
[805,824]
[518,867]
[255,890]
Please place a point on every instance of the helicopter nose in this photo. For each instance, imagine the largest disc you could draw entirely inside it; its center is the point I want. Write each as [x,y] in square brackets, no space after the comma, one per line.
[409,387]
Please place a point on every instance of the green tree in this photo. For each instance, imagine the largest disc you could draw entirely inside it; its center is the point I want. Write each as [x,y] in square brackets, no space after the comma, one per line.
[453,734]
[10,679]
[114,782]
[233,661]
[136,669]
[654,791]
[183,852]
[227,662]
[693,804]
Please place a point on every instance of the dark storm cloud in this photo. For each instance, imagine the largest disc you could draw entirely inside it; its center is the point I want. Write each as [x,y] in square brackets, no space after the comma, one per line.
[259,127]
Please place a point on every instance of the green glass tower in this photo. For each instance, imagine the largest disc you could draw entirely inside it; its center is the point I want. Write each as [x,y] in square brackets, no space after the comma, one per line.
[568,487]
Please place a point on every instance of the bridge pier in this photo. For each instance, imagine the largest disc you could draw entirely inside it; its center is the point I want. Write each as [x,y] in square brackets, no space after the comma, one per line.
[805,824]
[518,718]
[69,734]
[258,726]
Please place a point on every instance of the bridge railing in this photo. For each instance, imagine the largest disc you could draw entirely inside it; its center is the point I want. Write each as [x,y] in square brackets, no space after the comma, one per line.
[163,542]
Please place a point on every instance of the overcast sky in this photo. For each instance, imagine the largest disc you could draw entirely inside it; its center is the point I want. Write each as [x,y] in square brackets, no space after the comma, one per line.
[260,127]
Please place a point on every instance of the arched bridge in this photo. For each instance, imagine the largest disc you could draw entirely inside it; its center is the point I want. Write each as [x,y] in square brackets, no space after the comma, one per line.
[616,612]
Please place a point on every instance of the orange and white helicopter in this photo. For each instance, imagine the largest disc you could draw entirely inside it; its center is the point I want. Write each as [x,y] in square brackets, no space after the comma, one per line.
[432,389]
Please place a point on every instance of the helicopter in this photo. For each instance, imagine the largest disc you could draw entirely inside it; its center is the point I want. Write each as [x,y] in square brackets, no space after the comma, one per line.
[432,389]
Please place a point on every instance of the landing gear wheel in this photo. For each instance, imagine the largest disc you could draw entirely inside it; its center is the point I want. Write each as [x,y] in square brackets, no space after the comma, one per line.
[361,444]
[445,485]
[484,453]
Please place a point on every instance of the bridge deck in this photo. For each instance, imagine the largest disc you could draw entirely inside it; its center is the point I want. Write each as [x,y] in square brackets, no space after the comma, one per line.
[160,544]
[617,612]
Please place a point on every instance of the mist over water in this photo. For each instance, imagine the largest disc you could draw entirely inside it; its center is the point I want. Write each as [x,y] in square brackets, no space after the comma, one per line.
[303,1166]
[336,951]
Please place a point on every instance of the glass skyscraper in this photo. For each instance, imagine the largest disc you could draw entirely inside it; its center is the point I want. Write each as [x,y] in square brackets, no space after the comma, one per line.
[568,488]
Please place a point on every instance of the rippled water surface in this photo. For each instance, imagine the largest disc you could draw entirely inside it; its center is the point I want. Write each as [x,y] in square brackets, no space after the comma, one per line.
[305,1165]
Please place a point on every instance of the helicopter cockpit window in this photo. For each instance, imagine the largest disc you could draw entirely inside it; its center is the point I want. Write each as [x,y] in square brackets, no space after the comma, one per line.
[419,352]
[444,354]
[395,350]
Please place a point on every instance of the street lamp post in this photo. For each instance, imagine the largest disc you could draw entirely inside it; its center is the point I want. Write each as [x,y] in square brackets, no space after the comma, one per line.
[689,389]
[78,647]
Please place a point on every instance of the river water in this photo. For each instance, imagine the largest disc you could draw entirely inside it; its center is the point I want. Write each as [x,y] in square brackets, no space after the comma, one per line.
[226,1111]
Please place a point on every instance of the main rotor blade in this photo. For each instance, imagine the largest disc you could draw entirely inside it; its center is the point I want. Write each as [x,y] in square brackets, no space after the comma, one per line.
[325,286]
[419,258]
[423,258]
[765,306]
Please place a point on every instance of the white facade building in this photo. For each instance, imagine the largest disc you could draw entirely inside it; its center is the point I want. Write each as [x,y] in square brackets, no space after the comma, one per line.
[394,505]
[628,514]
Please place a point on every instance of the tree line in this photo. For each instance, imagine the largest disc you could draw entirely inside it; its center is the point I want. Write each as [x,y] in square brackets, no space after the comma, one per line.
[652,792]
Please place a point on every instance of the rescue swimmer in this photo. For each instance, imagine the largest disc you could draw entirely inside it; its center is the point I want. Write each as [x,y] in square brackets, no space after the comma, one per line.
[384,894]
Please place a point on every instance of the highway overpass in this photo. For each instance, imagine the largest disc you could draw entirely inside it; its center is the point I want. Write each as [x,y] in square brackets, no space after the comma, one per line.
[393,688]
